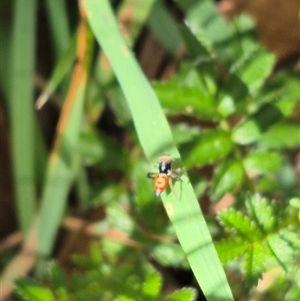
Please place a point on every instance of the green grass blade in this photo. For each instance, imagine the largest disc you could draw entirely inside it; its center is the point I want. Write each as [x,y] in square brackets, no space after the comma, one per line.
[59,26]
[21,109]
[155,137]
[169,38]
[61,164]
[61,70]
[139,11]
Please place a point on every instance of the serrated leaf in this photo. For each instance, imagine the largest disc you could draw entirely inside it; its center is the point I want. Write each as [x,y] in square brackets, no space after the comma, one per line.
[235,221]
[212,146]
[254,263]
[260,210]
[229,176]
[284,250]
[33,292]
[291,236]
[231,248]
[185,294]
[262,162]
[152,285]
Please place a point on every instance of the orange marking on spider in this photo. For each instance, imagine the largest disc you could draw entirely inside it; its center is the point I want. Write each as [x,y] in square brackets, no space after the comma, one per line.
[164,176]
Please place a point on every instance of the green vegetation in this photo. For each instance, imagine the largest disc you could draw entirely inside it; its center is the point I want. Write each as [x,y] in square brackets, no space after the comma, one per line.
[233,129]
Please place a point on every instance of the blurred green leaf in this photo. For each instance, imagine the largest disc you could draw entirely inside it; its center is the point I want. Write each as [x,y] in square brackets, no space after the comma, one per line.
[262,162]
[185,294]
[212,146]
[282,90]
[228,177]
[244,37]
[169,38]
[96,147]
[57,278]
[281,135]
[152,285]
[250,130]
[211,26]
[121,220]
[254,67]
[202,59]
[33,292]
[232,92]
[185,100]
[184,133]
[170,254]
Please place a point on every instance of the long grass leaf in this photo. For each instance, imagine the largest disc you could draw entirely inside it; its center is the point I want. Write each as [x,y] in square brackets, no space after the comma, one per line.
[169,38]
[59,173]
[59,26]
[61,70]
[21,109]
[155,137]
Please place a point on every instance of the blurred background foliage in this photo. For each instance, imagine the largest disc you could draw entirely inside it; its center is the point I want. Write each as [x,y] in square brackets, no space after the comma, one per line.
[79,218]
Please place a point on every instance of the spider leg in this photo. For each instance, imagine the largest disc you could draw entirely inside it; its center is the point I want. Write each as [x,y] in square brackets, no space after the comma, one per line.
[151,175]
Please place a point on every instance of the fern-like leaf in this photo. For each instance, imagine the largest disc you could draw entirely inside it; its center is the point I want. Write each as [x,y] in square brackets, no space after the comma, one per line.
[254,263]
[185,294]
[234,221]
[152,285]
[231,248]
[285,247]
[255,236]
[260,210]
